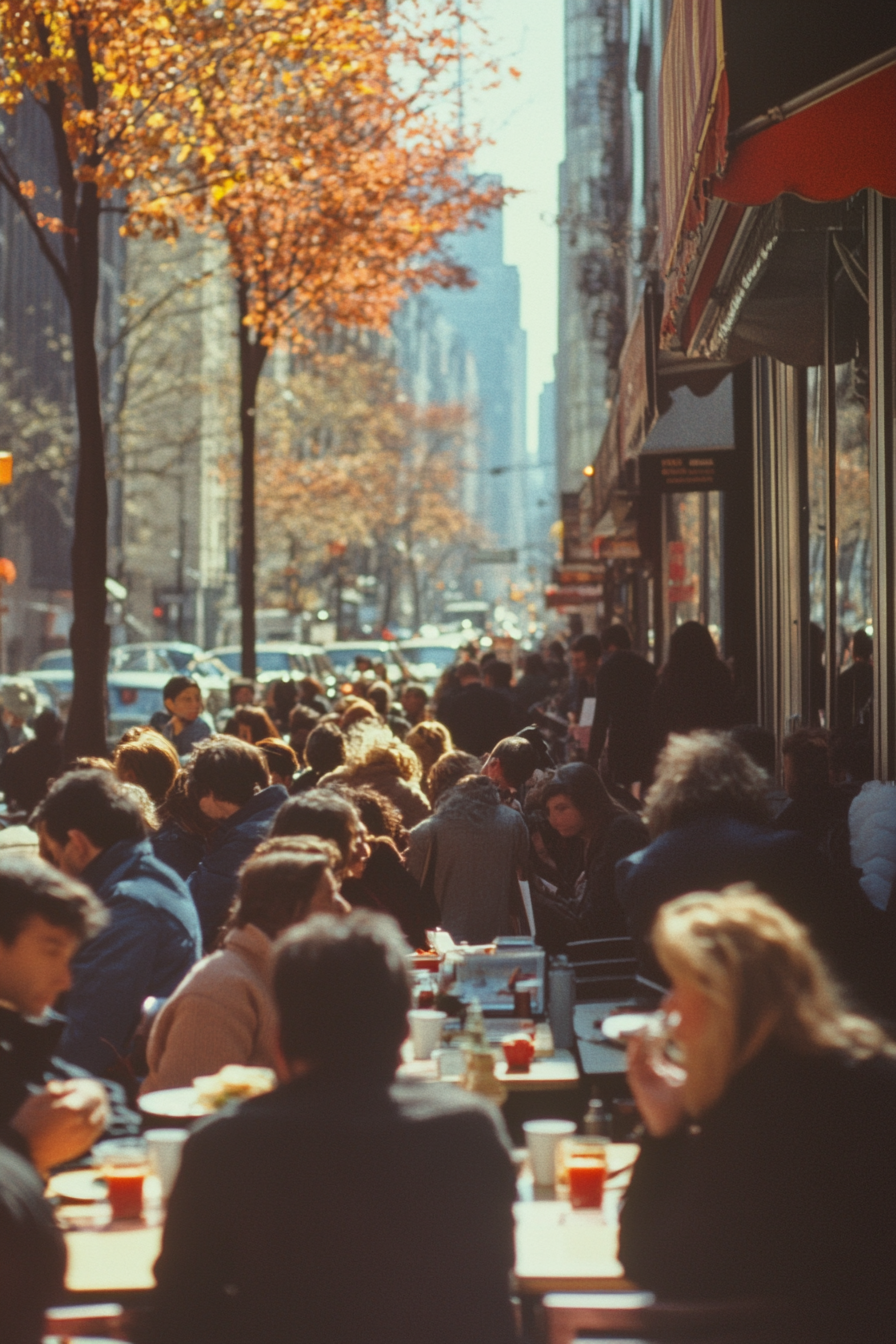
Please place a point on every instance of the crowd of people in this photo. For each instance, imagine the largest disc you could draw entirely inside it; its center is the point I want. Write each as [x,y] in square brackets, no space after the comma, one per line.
[249,892]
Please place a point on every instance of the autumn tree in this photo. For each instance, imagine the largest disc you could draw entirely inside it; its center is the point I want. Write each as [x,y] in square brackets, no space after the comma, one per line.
[345,458]
[113,79]
[334,173]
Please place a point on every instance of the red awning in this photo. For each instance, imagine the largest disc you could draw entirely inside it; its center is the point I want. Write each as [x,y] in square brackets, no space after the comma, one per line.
[827,151]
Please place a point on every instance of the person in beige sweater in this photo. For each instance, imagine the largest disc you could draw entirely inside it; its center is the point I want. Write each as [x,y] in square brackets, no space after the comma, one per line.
[223,1012]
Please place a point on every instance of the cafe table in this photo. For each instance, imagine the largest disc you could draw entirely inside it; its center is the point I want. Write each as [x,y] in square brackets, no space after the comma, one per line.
[558,1248]
[558,1073]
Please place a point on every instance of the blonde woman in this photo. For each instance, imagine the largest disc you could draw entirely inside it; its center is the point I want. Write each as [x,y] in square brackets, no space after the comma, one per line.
[378,759]
[430,741]
[768,1169]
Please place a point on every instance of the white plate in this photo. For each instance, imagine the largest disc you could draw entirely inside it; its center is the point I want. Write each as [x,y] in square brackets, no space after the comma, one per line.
[621,1026]
[80,1187]
[175,1103]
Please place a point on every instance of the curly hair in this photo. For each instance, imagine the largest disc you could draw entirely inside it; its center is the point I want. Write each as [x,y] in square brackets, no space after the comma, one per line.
[430,740]
[446,772]
[704,774]
[384,753]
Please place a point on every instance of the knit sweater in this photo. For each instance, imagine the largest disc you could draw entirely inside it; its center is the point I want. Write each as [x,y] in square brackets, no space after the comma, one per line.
[221,1013]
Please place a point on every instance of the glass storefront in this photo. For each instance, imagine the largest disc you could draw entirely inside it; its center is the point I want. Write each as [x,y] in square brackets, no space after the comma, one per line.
[693,560]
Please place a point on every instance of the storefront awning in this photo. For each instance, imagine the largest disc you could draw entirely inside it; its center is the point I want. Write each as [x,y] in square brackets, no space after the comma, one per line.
[827,150]
[758,100]
[692,422]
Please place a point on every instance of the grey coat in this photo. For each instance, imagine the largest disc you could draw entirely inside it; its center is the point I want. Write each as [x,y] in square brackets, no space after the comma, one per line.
[476,848]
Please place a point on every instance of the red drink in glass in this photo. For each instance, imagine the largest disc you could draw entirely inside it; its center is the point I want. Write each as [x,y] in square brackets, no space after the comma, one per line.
[587,1173]
[125,1185]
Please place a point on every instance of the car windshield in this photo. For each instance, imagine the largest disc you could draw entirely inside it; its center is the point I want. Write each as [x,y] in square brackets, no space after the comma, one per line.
[209,667]
[273,660]
[437,655]
[343,660]
[230,658]
[180,659]
[56,662]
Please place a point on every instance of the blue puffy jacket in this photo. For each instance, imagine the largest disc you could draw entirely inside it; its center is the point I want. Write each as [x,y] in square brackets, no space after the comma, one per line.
[151,941]
[213,884]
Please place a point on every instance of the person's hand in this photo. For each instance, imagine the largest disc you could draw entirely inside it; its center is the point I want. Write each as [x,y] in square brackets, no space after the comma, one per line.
[659,1101]
[63,1121]
[176,725]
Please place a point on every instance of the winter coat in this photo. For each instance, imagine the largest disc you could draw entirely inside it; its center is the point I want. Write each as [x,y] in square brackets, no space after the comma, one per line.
[623,688]
[179,849]
[151,941]
[472,852]
[684,703]
[713,852]
[784,1189]
[213,884]
[872,832]
[386,885]
[222,1013]
[28,1061]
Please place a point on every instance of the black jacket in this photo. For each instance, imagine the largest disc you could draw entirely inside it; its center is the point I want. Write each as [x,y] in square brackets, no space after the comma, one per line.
[32,1252]
[341,1213]
[683,703]
[716,851]
[478,717]
[786,1189]
[624,689]
[28,1061]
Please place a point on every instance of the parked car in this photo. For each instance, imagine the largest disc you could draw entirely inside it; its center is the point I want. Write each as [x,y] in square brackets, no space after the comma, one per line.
[426,659]
[280,658]
[343,654]
[136,679]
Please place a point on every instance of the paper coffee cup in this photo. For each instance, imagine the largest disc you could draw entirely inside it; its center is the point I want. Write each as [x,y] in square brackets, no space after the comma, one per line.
[165,1151]
[426,1030]
[542,1137]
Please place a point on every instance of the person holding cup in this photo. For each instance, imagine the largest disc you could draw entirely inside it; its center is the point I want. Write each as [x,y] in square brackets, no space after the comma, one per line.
[768,1169]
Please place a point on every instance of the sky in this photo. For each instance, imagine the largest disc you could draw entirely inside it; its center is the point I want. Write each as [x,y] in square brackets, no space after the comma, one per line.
[524,118]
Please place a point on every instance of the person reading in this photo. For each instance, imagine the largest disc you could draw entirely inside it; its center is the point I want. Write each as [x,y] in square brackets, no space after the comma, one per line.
[344,1206]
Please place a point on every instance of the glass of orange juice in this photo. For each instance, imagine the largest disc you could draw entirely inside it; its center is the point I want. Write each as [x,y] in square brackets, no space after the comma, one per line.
[123,1165]
[581,1171]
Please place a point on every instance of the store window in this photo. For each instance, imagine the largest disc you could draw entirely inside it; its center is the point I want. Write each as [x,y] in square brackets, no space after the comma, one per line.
[693,560]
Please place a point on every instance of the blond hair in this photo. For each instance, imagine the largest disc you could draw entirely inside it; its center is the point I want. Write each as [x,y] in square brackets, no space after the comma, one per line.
[765,981]
[429,740]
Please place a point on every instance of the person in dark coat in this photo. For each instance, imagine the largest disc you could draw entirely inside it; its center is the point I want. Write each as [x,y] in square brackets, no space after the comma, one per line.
[324,751]
[768,1170]
[708,821]
[535,684]
[694,689]
[818,808]
[353,1207]
[582,814]
[184,829]
[855,686]
[476,716]
[26,770]
[624,688]
[90,826]
[384,883]
[32,1252]
[50,1111]
[230,781]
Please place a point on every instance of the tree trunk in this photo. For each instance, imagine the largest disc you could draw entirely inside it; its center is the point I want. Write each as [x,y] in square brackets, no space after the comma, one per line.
[85,733]
[252,357]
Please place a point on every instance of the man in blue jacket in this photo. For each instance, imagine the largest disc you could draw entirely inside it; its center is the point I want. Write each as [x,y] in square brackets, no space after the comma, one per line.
[230,781]
[90,827]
